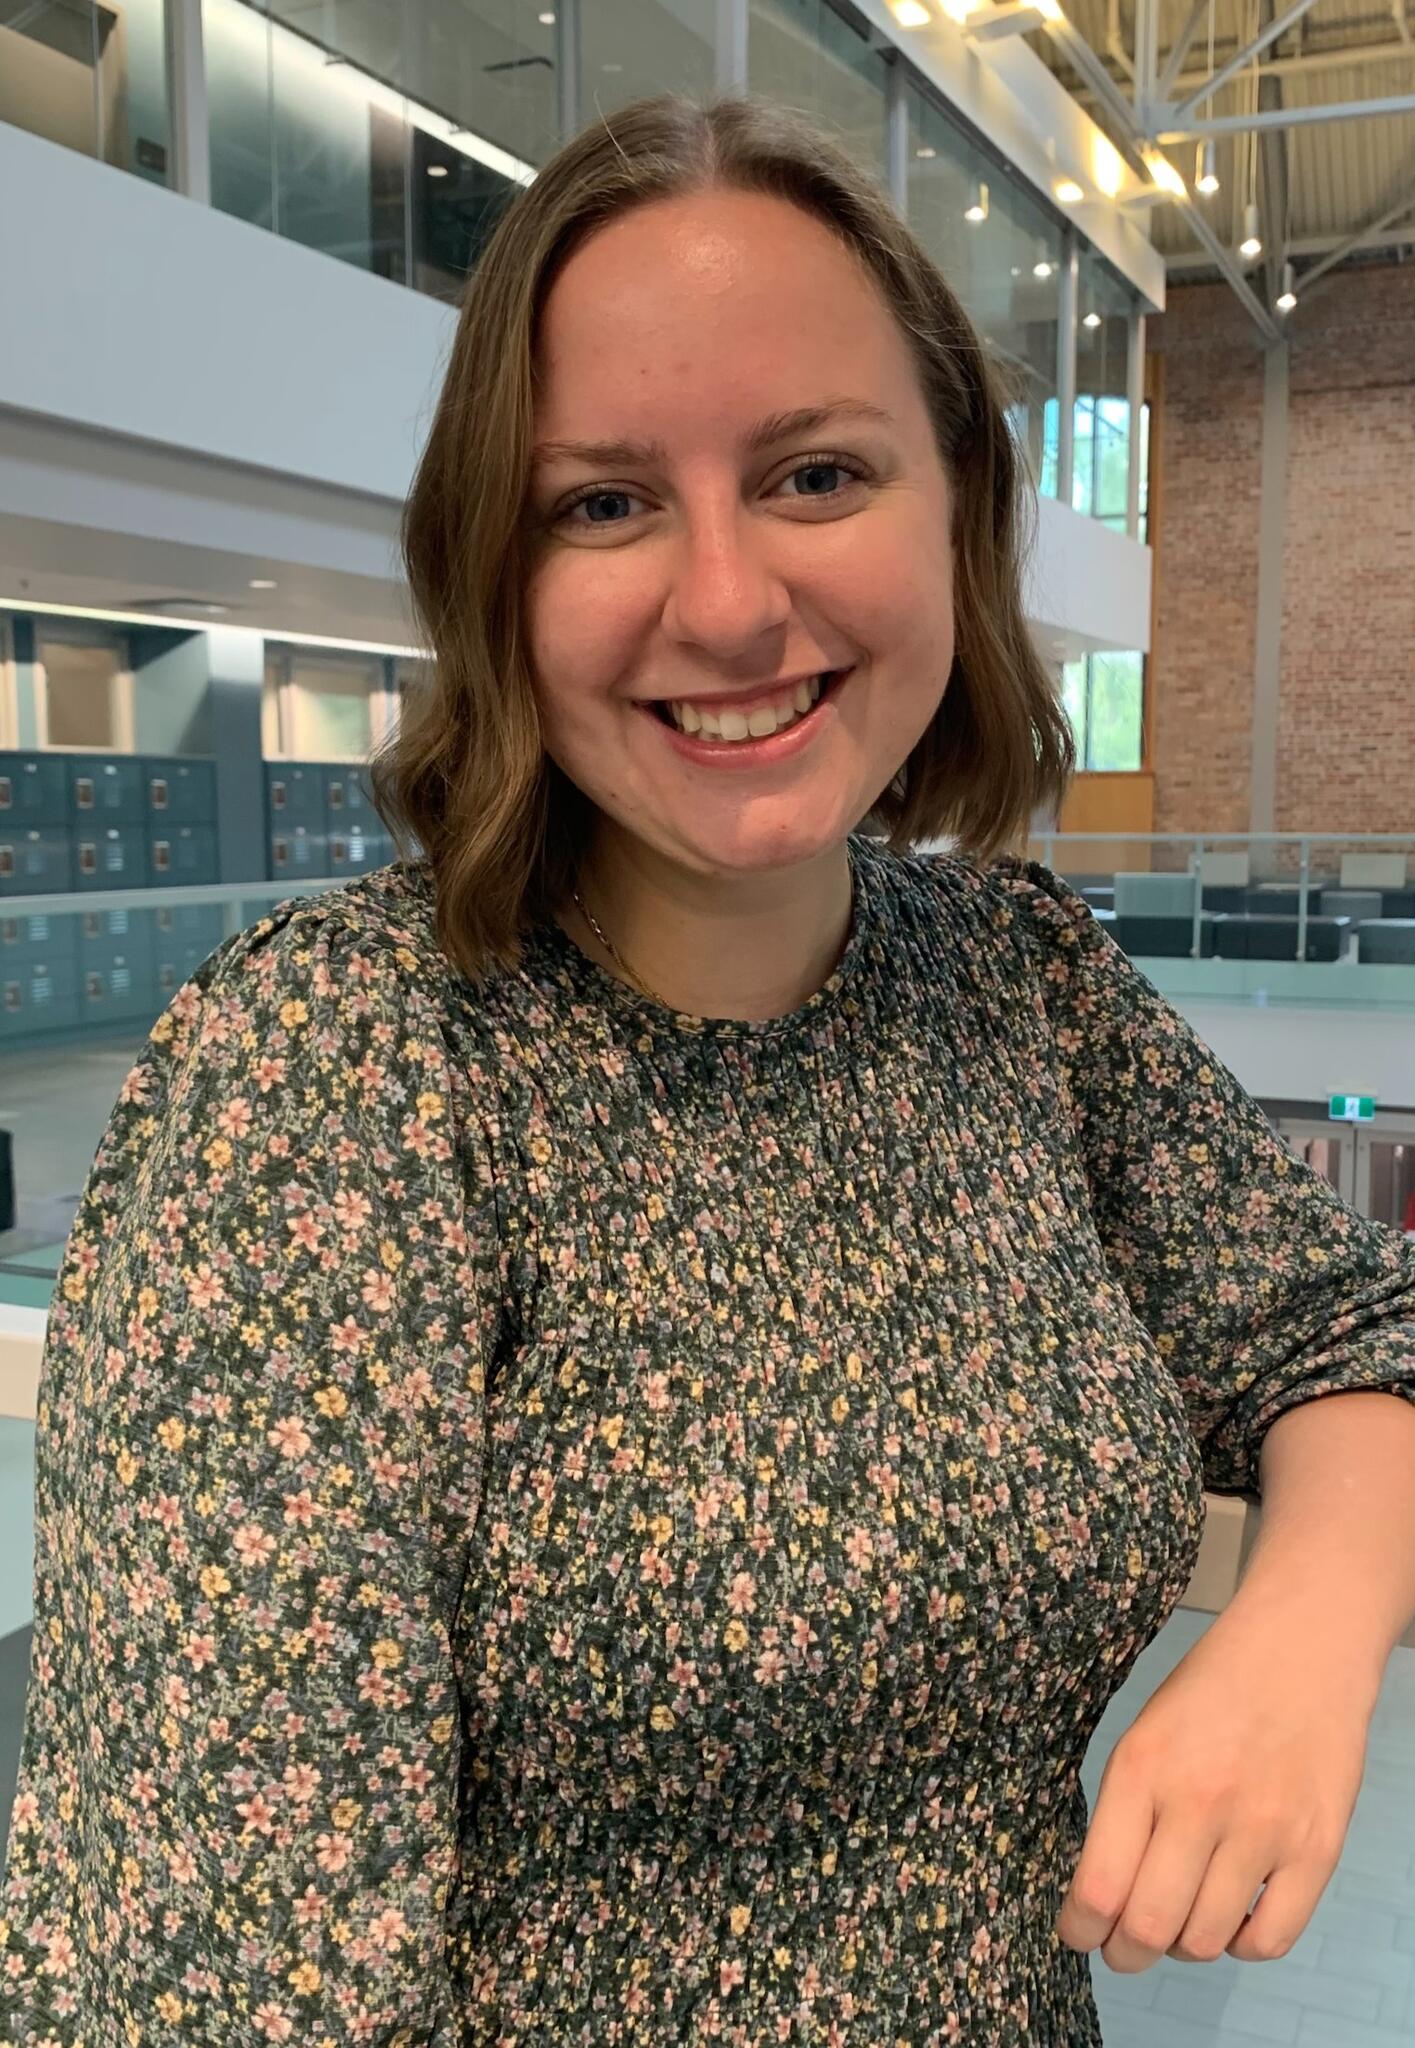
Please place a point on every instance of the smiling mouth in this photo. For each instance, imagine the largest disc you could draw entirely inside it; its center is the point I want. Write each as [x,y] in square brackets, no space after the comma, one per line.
[728,726]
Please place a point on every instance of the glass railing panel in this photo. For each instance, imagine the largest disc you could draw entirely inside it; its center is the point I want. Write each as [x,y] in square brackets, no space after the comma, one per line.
[1271,917]
[803,54]
[90,76]
[1001,252]
[391,137]
[630,49]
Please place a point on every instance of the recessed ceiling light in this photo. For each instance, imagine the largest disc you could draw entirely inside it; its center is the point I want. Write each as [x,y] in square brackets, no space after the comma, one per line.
[437,170]
[1068,191]
[262,583]
[546,20]
[926,150]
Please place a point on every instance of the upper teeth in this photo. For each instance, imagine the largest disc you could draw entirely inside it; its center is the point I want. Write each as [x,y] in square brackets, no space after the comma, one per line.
[755,724]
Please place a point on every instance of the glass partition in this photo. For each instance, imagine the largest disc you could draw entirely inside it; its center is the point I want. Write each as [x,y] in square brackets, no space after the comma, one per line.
[802,53]
[90,76]
[390,136]
[631,48]
[1001,252]
[1101,457]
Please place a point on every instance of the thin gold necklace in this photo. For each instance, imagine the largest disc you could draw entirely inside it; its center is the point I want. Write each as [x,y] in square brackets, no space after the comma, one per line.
[614,952]
[602,935]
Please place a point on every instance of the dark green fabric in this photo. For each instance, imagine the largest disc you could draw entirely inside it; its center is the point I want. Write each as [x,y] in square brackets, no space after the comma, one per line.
[559,1522]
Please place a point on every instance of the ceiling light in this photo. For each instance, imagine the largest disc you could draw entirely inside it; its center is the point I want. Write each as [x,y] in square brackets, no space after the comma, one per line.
[546,20]
[1092,319]
[1107,169]
[959,10]
[1287,297]
[995,22]
[1252,243]
[1050,10]
[437,170]
[977,207]
[909,14]
[154,612]
[926,151]
[1164,174]
[1043,266]
[1206,170]
[262,583]
[1067,191]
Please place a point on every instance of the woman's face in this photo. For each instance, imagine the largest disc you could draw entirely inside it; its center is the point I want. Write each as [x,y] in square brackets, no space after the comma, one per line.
[710,566]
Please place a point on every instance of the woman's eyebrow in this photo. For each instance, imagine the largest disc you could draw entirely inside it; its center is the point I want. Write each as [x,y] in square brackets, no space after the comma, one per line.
[803,419]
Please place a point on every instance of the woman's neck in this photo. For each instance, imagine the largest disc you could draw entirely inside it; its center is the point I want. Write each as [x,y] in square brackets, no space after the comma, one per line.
[751,947]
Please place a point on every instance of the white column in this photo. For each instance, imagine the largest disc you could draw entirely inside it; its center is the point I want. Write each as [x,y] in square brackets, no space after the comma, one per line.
[896,132]
[187,104]
[1135,399]
[567,67]
[1267,638]
[731,43]
[1066,366]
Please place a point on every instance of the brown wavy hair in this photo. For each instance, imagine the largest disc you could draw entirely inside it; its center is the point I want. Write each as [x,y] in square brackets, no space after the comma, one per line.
[465,778]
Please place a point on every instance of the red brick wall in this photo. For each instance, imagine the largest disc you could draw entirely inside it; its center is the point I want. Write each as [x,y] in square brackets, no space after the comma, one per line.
[1346,719]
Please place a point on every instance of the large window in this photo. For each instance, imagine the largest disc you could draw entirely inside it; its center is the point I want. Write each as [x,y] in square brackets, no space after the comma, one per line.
[1104,696]
[1001,251]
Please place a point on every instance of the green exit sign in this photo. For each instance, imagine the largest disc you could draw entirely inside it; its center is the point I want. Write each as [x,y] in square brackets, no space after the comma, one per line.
[1351,1109]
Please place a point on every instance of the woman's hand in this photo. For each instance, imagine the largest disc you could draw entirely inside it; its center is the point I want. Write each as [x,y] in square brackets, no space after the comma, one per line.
[1242,1770]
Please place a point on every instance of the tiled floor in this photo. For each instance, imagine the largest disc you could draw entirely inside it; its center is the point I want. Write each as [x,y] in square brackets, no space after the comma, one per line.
[1348,1983]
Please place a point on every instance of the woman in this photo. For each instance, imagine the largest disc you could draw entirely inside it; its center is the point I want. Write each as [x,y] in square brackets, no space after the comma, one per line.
[624,1392]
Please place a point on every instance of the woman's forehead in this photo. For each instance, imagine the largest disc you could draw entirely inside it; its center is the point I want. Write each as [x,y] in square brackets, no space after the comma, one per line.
[724,256]
[707,312]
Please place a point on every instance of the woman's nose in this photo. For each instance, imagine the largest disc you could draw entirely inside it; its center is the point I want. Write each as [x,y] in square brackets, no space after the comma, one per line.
[724,588]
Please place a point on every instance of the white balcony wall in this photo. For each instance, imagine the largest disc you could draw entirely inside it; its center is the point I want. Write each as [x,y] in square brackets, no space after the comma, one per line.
[187,401]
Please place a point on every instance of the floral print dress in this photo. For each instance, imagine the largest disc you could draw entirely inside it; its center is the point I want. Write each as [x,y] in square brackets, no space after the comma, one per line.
[559,1521]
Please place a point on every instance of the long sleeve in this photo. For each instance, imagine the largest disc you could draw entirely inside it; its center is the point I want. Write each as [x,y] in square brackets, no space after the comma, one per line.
[258,1465]
[1261,1288]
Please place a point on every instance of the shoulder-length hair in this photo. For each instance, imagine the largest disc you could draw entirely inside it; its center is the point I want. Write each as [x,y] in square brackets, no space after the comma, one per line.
[466,773]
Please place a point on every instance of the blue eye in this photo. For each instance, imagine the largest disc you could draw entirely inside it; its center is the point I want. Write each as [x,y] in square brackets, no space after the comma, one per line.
[813,466]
